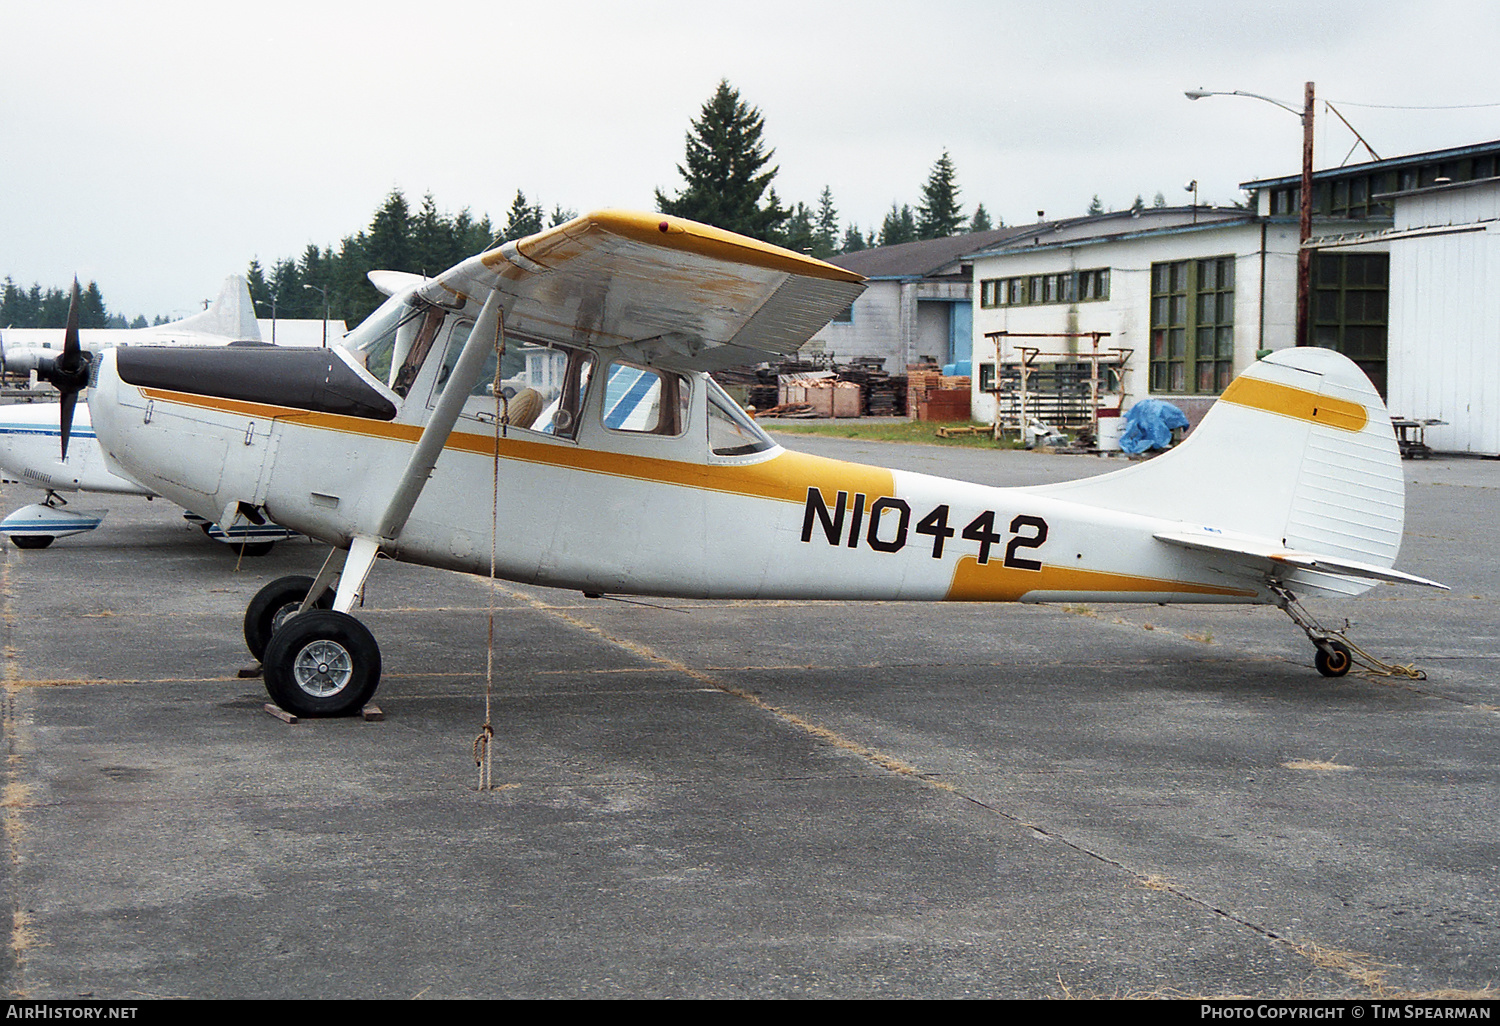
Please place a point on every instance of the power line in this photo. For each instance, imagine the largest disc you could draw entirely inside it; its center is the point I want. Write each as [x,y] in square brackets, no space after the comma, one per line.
[1397,106]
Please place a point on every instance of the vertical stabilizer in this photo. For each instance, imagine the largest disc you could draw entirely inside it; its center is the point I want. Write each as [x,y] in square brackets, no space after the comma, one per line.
[1298,451]
[231,315]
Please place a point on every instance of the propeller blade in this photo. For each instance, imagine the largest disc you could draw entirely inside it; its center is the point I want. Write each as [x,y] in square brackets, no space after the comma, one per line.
[69,400]
[70,337]
[69,373]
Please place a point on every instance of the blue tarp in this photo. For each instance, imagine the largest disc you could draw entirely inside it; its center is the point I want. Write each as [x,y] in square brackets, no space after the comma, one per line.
[1149,424]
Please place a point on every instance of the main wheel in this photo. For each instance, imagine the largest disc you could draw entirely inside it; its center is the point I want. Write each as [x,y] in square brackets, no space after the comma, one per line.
[1335,665]
[273,605]
[322,663]
[252,548]
[31,541]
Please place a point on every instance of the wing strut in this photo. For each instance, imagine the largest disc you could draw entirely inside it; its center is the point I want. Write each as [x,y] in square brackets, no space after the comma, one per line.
[435,435]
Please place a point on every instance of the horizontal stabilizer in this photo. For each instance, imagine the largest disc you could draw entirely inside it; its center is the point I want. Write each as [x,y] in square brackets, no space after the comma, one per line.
[1276,555]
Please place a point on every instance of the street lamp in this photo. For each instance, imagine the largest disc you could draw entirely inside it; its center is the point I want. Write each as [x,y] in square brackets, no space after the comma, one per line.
[272,301]
[1304,255]
[324,291]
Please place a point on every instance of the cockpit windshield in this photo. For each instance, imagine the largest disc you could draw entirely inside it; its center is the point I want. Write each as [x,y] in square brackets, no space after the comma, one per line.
[374,343]
[731,432]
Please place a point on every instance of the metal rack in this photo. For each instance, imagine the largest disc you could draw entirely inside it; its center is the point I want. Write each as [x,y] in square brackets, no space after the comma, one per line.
[1063,392]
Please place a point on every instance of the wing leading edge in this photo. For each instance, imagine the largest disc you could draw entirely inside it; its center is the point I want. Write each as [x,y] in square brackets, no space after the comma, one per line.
[659,290]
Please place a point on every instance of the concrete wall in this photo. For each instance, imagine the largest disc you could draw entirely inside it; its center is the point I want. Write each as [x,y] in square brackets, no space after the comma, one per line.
[874,331]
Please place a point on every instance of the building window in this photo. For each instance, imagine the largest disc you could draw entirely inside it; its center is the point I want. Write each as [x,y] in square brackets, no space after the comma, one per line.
[1353,195]
[1350,305]
[1192,325]
[1043,289]
[844,316]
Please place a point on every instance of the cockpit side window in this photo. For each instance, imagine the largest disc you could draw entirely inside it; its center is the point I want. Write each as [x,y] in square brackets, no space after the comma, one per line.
[539,387]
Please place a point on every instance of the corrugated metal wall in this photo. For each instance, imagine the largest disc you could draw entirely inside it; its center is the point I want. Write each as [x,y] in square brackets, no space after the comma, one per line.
[1445,318]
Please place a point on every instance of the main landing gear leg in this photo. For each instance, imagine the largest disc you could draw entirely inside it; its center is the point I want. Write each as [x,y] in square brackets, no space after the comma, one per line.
[320,661]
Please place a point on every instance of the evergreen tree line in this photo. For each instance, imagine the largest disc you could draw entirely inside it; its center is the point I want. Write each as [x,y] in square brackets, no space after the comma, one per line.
[38,308]
[421,241]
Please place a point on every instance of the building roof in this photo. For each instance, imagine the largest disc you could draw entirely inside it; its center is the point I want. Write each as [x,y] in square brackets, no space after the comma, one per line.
[1118,225]
[925,259]
[1389,164]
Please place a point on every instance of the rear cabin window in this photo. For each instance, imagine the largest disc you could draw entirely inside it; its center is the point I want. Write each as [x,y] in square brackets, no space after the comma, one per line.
[647,401]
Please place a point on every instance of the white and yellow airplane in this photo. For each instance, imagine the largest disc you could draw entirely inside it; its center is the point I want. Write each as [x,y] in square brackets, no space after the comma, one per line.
[633,473]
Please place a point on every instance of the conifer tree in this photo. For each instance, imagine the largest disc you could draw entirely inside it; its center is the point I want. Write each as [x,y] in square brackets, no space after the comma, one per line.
[725,170]
[524,219]
[981,220]
[826,227]
[798,233]
[388,245]
[854,240]
[938,215]
[900,226]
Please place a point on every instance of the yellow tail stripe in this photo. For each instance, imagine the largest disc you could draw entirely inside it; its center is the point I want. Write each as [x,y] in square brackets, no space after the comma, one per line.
[1286,401]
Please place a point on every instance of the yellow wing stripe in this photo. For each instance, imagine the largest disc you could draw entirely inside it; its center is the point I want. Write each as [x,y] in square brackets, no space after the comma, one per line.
[552,247]
[1287,401]
[785,478]
[994,582]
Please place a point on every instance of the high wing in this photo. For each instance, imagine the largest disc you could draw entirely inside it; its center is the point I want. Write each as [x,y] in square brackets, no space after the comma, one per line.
[655,289]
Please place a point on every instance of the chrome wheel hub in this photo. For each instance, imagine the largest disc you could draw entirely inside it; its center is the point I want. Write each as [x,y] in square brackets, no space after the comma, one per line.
[323,668]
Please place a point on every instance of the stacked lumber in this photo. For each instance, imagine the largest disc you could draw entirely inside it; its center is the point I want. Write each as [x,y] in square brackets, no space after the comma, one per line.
[828,397]
[881,395]
[934,396]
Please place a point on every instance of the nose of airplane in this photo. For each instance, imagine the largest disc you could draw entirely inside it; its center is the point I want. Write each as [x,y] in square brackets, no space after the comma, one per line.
[104,401]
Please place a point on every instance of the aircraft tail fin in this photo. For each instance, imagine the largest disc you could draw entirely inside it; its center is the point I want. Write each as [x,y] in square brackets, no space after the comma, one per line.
[231,315]
[1295,468]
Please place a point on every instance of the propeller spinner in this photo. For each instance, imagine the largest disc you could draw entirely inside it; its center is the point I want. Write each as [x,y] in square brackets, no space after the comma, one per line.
[69,371]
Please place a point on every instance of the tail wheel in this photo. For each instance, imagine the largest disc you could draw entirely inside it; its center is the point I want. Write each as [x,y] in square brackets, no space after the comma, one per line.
[273,605]
[1333,661]
[322,663]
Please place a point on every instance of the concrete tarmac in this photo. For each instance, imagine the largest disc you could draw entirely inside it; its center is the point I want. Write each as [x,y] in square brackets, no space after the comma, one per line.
[726,799]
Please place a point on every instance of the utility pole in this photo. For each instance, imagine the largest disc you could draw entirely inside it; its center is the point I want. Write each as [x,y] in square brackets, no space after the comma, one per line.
[1304,255]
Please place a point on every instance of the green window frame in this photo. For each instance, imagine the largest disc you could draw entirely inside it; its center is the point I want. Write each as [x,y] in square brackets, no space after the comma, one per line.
[1062,287]
[1192,326]
[1351,309]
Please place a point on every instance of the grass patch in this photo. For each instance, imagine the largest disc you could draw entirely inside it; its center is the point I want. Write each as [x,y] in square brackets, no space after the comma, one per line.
[897,430]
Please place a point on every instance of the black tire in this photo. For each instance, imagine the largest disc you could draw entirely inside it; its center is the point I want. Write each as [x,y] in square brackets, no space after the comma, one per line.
[31,541]
[1335,665]
[252,548]
[322,663]
[272,605]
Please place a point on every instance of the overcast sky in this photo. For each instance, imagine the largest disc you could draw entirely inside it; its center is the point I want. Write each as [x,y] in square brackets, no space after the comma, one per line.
[158,146]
